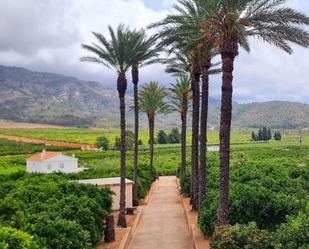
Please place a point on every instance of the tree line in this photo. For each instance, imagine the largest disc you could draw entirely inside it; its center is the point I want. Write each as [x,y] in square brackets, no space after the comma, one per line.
[173,137]
[193,35]
[265,134]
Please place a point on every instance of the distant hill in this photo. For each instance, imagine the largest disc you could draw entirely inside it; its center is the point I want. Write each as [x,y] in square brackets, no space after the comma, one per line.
[274,114]
[52,98]
[28,96]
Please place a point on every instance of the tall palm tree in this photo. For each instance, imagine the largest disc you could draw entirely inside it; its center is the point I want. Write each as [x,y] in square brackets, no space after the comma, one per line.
[115,54]
[207,69]
[231,23]
[186,28]
[181,96]
[186,60]
[179,65]
[146,52]
[151,102]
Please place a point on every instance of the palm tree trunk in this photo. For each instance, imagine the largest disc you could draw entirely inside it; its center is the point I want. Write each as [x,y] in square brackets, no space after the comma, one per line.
[151,142]
[122,87]
[136,126]
[229,51]
[184,136]
[205,65]
[195,136]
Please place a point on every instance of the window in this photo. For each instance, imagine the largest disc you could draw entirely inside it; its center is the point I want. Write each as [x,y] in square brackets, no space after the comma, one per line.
[49,166]
[61,165]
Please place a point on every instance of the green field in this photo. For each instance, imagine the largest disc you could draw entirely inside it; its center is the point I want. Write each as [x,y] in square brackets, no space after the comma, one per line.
[167,157]
[79,135]
[89,136]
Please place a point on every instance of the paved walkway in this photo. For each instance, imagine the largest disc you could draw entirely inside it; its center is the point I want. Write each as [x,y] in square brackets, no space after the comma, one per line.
[163,223]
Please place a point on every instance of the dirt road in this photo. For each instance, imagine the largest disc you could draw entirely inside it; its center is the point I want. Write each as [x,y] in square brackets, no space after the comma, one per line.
[48,142]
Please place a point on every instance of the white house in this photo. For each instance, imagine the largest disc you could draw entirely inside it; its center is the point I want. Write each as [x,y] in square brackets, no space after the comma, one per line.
[51,161]
[114,184]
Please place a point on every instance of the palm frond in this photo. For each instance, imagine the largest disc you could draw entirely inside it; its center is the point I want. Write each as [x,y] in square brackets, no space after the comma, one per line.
[152,99]
[113,53]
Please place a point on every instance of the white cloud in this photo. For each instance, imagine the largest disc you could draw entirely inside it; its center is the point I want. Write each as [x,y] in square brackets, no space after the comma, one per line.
[46,35]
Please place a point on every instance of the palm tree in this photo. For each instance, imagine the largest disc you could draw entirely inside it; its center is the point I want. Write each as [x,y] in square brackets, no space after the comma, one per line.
[186,60]
[179,65]
[145,53]
[151,102]
[115,54]
[207,69]
[231,23]
[181,95]
[186,28]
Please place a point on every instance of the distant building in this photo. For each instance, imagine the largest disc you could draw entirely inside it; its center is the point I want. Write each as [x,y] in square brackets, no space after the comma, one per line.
[51,161]
[114,184]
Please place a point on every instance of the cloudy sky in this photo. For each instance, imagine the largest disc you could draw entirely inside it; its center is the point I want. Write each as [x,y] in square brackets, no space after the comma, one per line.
[45,35]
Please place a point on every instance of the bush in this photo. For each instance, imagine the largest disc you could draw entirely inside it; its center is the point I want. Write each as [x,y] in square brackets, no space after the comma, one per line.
[162,137]
[102,143]
[208,212]
[264,188]
[56,212]
[129,141]
[253,202]
[247,203]
[277,135]
[185,183]
[242,237]
[295,233]
[11,238]
[174,137]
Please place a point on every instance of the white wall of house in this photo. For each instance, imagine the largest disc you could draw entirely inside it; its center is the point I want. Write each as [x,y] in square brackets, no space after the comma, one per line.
[59,163]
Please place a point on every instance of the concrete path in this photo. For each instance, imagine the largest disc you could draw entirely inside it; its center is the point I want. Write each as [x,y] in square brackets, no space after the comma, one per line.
[163,223]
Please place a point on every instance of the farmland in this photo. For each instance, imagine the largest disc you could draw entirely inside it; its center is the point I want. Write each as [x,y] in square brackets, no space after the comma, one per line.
[80,135]
[279,168]
[167,157]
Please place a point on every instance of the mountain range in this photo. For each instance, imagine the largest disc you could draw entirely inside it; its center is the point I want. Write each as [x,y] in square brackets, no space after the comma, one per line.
[39,97]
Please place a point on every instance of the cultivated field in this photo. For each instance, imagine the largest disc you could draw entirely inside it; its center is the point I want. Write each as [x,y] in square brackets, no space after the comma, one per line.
[89,136]
[269,177]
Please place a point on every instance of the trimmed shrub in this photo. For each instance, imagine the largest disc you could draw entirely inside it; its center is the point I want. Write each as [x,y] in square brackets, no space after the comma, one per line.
[242,237]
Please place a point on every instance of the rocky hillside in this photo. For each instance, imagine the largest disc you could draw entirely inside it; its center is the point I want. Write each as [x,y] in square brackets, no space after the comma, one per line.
[57,99]
[52,98]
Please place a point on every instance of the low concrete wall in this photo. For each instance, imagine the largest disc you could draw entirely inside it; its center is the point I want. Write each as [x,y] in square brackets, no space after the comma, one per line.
[116,197]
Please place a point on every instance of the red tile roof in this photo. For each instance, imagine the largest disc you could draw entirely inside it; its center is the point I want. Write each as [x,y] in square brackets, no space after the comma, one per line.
[44,156]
